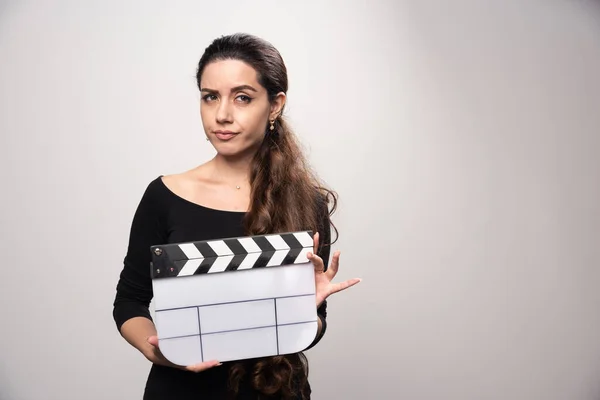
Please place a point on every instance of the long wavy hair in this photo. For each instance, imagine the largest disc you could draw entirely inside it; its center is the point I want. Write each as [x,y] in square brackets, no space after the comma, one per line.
[286,196]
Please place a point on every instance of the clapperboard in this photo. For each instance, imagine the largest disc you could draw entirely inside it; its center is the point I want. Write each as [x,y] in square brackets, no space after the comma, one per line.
[235,298]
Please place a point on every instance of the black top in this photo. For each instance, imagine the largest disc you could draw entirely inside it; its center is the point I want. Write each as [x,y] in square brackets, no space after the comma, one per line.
[163,217]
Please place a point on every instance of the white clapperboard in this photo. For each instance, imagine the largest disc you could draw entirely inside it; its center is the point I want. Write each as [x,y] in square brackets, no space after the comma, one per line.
[235,298]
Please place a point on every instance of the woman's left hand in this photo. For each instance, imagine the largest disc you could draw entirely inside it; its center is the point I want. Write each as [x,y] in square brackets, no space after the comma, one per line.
[324,287]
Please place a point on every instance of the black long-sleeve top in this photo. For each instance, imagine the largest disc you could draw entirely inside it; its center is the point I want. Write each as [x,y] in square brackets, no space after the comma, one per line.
[163,217]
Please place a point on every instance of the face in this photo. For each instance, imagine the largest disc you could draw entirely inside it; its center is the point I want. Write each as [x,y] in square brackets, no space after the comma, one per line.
[235,108]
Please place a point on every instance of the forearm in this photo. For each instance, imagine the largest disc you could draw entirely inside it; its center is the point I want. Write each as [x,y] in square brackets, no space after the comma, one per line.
[321,327]
[136,332]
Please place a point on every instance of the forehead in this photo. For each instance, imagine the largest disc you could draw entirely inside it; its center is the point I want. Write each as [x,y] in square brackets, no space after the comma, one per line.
[225,74]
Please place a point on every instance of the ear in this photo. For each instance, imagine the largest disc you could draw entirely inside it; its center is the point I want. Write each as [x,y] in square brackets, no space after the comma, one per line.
[277,106]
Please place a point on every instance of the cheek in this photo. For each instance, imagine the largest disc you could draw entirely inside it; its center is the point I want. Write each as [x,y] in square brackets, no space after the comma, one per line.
[205,116]
[252,123]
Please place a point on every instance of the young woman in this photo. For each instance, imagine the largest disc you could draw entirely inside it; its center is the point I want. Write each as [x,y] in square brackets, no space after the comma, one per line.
[257,183]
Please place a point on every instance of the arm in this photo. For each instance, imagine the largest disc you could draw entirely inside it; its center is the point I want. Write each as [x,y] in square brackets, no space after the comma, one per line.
[321,324]
[137,331]
[323,251]
[134,288]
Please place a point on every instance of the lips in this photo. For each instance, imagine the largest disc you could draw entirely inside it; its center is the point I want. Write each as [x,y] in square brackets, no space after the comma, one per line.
[224,135]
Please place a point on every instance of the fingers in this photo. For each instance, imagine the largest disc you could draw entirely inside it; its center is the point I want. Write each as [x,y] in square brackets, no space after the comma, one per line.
[203,366]
[338,287]
[161,359]
[316,243]
[334,265]
[317,262]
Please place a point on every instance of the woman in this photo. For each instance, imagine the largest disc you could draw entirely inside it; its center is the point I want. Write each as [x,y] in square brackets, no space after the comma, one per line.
[257,183]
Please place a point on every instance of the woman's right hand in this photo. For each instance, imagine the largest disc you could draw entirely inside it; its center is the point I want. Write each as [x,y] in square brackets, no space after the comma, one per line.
[155,356]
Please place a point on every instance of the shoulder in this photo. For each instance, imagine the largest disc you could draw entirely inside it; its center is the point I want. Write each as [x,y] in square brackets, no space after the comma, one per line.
[173,182]
[183,179]
[162,194]
[155,194]
[184,184]
[162,189]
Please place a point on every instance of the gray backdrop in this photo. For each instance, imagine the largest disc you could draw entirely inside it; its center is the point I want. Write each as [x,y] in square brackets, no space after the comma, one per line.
[461,136]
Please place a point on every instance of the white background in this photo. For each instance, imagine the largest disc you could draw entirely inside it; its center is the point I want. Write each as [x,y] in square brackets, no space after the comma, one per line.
[462,137]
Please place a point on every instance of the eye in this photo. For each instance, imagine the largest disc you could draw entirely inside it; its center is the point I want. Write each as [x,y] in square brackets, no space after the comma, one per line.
[209,97]
[244,99]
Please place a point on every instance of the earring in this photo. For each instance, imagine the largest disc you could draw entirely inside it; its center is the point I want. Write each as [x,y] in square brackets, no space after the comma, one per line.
[272,124]
[207,138]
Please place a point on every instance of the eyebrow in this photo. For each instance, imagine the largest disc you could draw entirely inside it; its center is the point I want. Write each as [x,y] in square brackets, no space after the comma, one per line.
[234,89]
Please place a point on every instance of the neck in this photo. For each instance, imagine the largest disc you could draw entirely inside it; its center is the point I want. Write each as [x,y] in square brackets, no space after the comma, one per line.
[232,171]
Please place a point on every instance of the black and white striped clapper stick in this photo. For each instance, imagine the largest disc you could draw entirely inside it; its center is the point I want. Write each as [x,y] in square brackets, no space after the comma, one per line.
[231,254]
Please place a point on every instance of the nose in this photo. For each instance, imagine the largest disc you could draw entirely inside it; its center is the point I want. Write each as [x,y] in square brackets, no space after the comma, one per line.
[223,112]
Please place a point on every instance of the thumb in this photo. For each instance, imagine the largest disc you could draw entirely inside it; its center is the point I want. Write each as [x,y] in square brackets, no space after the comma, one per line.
[153,340]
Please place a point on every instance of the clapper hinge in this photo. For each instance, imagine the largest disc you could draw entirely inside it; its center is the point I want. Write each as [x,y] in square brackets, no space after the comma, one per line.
[160,266]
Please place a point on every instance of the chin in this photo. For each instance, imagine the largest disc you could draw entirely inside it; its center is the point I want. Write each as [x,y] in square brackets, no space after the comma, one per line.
[231,150]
